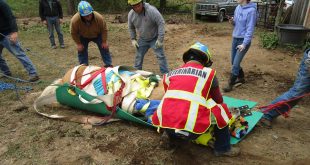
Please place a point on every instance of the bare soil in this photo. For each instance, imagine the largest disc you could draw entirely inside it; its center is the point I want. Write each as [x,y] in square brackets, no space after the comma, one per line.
[27,138]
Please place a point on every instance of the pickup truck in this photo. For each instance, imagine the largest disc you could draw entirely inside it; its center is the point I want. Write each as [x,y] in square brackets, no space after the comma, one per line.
[216,8]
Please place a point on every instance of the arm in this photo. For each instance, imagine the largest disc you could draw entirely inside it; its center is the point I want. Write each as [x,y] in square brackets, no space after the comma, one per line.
[104,31]
[41,11]
[215,92]
[250,26]
[131,27]
[165,83]
[60,14]
[74,30]
[8,15]
[160,22]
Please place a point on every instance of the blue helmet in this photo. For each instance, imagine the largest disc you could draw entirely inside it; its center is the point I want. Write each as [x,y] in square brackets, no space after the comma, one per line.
[85,8]
[204,54]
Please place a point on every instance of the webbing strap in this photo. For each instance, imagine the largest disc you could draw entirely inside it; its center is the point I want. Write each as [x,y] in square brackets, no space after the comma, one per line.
[92,77]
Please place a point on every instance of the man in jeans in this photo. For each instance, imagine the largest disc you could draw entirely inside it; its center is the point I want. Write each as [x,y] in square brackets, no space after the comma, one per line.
[150,25]
[51,15]
[300,87]
[9,40]
[86,26]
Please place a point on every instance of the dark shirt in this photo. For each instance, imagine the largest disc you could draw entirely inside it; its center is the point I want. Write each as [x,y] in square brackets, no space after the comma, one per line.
[50,9]
[7,20]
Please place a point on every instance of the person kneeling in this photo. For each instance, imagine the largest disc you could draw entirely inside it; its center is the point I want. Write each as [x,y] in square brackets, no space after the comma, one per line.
[193,102]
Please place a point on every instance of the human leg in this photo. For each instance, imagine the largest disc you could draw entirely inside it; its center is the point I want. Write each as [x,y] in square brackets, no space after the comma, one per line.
[83,55]
[222,145]
[105,53]
[161,58]
[59,32]
[50,28]
[144,46]
[3,65]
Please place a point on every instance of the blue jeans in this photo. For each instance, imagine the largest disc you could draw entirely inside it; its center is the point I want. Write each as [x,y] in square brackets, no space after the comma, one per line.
[51,23]
[19,53]
[144,46]
[222,138]
[300,87]
[83,55]
[237,56]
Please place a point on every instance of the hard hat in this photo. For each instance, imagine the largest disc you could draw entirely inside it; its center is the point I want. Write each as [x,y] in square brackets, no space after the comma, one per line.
[134,2]
[203,52]
[85,8]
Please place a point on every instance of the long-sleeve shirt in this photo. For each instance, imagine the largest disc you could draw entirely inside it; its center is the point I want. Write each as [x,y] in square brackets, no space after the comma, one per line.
[245,20]
[7,19]
[50,8]
[149,24]
[80,28]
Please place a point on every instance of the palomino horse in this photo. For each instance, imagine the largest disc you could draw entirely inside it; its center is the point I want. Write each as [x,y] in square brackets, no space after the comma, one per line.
[77,74]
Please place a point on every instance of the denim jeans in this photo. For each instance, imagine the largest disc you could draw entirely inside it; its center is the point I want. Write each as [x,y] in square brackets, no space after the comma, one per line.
[222,138]
[237,56]
[144,46]
[300,87]
[19,53]
[51,23]
[83,55]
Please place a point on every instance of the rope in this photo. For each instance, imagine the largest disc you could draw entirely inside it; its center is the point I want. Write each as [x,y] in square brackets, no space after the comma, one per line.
[268,108]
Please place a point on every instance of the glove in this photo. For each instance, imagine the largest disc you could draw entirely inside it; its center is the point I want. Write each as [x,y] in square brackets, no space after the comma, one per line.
[241,47]
[158,44]
[135,44]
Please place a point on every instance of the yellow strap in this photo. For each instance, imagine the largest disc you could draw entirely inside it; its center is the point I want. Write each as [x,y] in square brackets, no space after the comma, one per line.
[145,107]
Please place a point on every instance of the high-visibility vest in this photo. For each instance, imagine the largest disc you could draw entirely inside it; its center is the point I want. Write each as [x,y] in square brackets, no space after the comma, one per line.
[186,104]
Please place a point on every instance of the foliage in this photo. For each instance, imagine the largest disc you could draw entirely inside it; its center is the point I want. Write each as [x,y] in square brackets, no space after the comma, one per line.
[269,40]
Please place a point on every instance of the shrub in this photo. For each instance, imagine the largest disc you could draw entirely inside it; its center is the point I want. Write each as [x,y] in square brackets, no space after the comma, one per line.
[269,40]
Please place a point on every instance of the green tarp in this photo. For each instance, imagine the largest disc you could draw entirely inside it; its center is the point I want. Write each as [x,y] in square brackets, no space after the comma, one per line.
[65,98]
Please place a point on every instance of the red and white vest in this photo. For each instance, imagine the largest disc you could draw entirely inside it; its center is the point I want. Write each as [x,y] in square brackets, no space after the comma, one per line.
[187,104]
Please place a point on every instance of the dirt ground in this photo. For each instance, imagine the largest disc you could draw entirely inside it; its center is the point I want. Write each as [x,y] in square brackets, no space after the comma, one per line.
[27,138]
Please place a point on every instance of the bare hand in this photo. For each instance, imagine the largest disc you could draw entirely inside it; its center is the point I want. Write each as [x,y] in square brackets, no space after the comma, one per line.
[240,47]
[13,37]
[45,22]
[80,47]
[231,20]
[105,45]
[61,21]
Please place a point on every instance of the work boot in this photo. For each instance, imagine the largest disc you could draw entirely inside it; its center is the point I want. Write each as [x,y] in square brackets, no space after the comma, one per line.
[34,78]
[241,79]
[233,152]
[231,83]
[108,66]
[166,142]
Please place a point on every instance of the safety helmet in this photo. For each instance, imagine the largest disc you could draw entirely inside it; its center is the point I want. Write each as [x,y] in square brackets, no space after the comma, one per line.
[134,2]
[85,8]
[203,53]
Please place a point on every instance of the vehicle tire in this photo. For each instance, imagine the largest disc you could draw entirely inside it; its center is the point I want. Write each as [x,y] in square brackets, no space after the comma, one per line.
[198,16]
[220,17]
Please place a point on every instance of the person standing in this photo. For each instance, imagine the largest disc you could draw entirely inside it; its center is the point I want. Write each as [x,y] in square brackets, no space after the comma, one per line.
[193,102]
[51,15]
[147,21]
[88,25]
[9,40]
[244,22]
[282,104]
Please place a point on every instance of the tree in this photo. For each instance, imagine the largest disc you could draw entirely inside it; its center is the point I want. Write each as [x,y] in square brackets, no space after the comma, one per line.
[279,13]
[162,5]
[71,7]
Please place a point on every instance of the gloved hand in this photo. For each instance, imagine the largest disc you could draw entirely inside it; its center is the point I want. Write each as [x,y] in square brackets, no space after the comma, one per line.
[135,44]
[158,44]
[241,47]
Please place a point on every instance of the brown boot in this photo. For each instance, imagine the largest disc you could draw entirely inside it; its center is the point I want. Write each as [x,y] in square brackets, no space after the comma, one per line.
[233,152]
[231,83]
[34,78]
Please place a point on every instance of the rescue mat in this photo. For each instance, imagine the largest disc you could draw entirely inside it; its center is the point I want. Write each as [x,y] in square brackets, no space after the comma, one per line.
[80,99]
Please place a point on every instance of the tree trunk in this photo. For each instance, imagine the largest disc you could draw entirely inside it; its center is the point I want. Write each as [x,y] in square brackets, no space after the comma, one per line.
[162,5]
[71,7]
[279,13]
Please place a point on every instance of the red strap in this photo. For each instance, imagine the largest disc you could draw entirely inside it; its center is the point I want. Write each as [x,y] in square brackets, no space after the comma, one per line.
[102,70]
[104,83]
